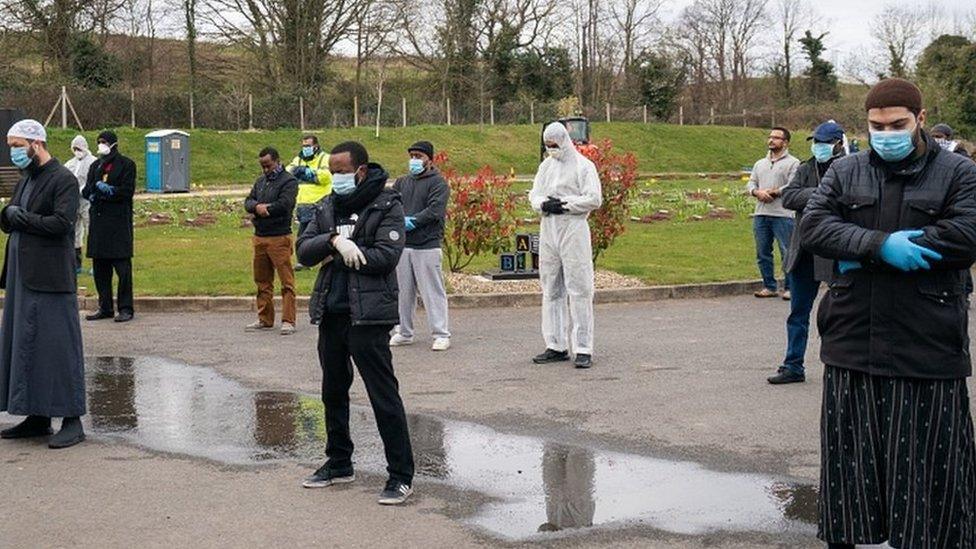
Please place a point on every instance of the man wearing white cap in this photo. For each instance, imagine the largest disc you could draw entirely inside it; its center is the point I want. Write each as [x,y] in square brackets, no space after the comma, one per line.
[42,368]
[79,165]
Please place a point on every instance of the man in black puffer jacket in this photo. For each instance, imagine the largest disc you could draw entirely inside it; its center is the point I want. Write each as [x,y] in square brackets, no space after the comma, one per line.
[805,270]
[357,234]
[898,461]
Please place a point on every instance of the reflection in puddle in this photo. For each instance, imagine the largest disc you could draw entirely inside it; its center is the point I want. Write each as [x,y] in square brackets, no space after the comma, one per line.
[534,485]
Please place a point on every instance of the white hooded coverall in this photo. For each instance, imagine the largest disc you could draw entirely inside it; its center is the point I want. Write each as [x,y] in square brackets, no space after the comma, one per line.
[79,168]
[565,252]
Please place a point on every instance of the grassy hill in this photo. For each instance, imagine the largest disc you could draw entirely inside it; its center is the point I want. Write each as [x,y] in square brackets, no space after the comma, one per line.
[229,158]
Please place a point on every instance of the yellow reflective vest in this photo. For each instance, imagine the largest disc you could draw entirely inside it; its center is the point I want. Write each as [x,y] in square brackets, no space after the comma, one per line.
[310,192]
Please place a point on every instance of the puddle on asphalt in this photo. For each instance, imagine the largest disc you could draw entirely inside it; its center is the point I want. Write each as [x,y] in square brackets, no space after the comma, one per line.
[535,486]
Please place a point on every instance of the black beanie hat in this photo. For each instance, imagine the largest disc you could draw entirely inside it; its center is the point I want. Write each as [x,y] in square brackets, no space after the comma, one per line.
[425,147]
[109,137]
[894,92]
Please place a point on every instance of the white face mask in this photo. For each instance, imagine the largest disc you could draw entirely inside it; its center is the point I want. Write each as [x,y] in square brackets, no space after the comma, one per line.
[554,152]
[104,149]
[79,154]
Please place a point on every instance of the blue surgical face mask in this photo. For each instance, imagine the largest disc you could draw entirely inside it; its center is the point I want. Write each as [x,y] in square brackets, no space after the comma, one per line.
[893,146]
[308,151]
[19,156]
[822,151]
[416,166]
[343,183]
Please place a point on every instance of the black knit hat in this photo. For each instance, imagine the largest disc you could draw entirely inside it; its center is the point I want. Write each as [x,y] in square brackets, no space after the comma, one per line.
[109,137]
[425,147]
[894,92]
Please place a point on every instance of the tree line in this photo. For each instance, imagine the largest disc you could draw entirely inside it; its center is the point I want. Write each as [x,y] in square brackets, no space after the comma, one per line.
[724,55]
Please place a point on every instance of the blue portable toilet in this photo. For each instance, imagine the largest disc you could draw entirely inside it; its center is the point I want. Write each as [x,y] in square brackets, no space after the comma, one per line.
[167,161]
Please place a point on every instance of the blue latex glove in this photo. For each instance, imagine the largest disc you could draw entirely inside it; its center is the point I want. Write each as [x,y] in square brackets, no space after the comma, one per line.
[847,265]
[410,222]
[901,253]
[310,175]
[105,188]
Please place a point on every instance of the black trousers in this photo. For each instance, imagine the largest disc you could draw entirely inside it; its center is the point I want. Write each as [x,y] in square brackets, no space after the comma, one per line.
[102,270]
[369,348]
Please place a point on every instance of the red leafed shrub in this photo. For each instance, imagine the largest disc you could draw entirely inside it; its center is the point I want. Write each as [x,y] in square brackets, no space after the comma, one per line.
[480,215]
[618,178]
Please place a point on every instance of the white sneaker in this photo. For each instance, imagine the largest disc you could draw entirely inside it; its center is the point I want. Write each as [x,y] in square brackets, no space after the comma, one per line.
[287,328]
[441,344]
[398,340]
[257,326]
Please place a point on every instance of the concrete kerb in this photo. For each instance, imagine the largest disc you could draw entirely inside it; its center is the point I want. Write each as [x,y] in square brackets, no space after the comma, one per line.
[231,304]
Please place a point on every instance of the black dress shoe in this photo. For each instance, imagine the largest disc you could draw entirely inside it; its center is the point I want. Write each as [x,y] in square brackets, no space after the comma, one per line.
[124,317]
[100,315]
[33,426]
[551,356]
[583,361]
[786,376]
[71,433]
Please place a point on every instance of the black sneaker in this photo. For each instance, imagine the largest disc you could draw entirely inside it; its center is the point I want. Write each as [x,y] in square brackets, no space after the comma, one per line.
[395,493]
[325,477]
[551,356]
[100,315]
[786,376]
[71,433]
[583,361]
[33,426]
[125,316]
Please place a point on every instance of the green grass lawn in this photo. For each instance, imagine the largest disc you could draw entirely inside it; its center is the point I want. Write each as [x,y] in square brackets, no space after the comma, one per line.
[177,259]
[228,158]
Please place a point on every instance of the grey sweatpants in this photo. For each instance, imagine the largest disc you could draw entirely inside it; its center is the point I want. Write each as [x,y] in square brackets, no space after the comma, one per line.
[420,271]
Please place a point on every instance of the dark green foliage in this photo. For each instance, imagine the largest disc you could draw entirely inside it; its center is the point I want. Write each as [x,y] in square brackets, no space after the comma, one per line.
[821,78]
[660,80]
[946,75]
[92,66]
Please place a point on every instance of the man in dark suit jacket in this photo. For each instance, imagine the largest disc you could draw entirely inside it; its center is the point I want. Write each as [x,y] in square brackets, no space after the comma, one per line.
[111,184]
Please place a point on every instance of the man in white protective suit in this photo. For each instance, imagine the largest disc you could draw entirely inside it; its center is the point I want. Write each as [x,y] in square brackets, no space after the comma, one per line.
[566,189]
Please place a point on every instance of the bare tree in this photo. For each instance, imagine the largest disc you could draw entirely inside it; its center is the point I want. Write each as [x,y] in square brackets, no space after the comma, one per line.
[899,36]
[292,38]
[634,21]
[794,17]
[373,25]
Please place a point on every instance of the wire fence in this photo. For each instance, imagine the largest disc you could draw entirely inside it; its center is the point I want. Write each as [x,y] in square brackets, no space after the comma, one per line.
[242,111]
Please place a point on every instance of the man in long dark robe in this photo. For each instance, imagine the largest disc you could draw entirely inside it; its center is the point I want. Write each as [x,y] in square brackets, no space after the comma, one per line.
[42,369]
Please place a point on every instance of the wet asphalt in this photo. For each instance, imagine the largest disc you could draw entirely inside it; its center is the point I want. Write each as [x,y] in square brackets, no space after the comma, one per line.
[200,435]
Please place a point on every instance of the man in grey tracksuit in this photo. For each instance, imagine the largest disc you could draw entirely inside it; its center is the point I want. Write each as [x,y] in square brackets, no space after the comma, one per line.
[425,194]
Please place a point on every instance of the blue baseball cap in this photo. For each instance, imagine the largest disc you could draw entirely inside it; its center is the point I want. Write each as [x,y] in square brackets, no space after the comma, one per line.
[828,132]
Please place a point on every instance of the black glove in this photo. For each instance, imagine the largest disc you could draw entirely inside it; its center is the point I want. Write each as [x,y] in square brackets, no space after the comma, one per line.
[554,206]
[16,216]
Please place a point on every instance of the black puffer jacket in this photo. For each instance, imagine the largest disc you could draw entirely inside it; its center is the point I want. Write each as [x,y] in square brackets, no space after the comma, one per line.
[279,194]
[877,319]
[795,197]
[379,233]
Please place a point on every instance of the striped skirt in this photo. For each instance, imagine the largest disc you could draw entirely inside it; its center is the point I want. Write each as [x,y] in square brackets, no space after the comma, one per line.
[898,461]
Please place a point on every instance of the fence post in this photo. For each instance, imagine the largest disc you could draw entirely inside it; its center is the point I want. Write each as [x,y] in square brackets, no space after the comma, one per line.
[645,114]
[64,107]
[193,114]
[532,112]
[744,118]
[250,111]
[301,112]
[772,118]
[491,111]
[379,108]
[681,115]
[404,104]
[448,111]
[355,111]
[711,116]
[608,112]
[132,108]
